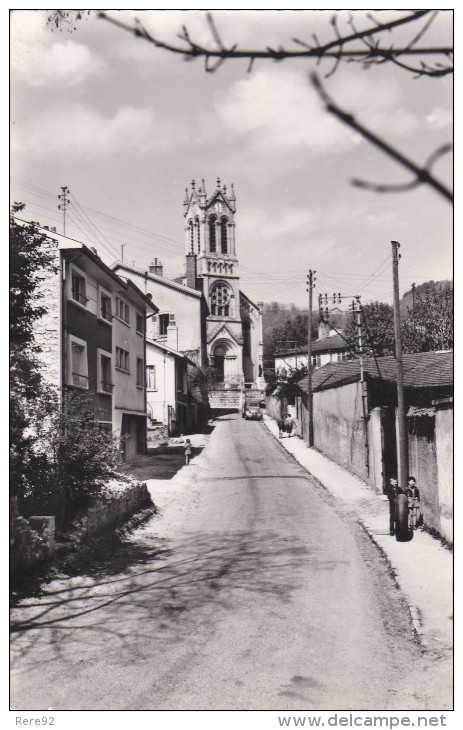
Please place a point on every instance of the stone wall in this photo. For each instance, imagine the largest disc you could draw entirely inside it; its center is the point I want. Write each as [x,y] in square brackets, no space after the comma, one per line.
[225,399]
[112,512]
[27,548]
[47,329]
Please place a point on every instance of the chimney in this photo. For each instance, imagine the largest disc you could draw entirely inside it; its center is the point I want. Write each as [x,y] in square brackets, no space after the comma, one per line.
[172,334]
[191,270]
[156,268]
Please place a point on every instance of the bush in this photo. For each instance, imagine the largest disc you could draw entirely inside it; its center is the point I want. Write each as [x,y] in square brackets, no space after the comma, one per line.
[73,454]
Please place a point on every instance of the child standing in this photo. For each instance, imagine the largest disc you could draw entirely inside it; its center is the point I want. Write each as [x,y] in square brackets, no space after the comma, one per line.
[413,503]
[187,451]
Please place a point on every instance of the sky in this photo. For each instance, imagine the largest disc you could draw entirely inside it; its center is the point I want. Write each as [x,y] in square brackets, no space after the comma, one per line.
[126,126]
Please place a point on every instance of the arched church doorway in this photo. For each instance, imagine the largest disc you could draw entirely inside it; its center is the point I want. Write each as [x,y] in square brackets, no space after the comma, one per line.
[223,361]
[218,363]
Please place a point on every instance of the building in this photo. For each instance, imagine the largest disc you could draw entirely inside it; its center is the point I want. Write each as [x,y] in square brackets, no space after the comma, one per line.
[169,403]
[93,339]
[330,346]
[355,424]
[217,324]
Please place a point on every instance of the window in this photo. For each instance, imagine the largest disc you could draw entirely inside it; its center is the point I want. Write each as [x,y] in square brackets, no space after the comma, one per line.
[224,235]
[105,384]
[190,225]
[246,338]
[220,300]
[165,320]
[105,305]
[122,359]
[212,234]
[77,363]
[198,236]
[140,373]
[151,377]
[122,310]
[140,325]
[78,288]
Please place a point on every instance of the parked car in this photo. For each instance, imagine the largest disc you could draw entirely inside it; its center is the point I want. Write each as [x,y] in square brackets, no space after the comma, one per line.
[252,411]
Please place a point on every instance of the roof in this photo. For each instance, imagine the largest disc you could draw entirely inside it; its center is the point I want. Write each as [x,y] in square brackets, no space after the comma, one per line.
[421,370]
[170,350]
[118,265]
[325,344]
[69,244]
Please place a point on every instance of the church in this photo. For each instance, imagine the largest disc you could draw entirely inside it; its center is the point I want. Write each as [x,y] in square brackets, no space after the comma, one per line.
[203,314]
[233,322]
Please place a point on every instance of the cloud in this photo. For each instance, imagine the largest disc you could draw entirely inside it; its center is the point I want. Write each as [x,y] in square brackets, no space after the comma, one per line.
[79,132]
[39,59]
[278,112]
[289,222]
[440,118]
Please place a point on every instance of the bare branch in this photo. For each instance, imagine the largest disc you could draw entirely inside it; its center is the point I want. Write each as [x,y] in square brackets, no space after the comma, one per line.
[423,176]
[335,49]
[380,188]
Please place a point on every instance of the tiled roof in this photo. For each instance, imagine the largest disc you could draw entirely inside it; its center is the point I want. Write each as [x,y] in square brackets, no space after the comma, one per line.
[326,344]
[421,370]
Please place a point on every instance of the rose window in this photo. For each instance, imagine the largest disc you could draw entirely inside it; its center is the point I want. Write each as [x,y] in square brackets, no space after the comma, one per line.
[220,300]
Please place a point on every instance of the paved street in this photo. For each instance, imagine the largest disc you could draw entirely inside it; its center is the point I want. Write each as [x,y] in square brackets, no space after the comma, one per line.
[247,591]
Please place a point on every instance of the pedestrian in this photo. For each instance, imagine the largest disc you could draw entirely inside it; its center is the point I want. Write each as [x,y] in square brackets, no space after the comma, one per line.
[187,451]
[392,492]
[281,426]
[288,424]
[413,494]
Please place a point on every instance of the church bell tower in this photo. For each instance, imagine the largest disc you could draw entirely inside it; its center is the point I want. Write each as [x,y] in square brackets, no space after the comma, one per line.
[212,261]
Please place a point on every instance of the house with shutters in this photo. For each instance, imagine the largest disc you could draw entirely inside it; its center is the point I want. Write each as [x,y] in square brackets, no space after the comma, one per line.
[93,339]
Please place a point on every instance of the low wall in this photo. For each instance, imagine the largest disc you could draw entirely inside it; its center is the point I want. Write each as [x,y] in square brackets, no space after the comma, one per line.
[111,512]
[29,547]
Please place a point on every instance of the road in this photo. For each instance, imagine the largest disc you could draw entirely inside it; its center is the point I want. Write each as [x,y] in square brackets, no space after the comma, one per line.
[247,592]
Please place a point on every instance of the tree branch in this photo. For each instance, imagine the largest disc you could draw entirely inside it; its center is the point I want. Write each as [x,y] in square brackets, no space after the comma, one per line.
[422,174]
[335,49]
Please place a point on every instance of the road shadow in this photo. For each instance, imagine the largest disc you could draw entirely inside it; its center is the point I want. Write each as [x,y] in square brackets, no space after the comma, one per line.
[147,584]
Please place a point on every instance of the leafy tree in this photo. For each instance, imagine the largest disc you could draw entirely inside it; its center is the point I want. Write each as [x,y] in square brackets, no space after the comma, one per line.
[377,330]
[73,455]
[30,253]
[428,325]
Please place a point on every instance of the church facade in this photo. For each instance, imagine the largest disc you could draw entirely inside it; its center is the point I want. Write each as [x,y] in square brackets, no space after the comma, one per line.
[234,322]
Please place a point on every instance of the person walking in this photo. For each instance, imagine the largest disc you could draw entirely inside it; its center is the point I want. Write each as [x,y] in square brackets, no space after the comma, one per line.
[392,492]
[413,494]
[187,451]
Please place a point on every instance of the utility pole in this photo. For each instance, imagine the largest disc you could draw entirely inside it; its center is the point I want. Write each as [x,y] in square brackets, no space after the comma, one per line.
[402,455]
[63,205]
[122,251]
[310,286]
[357,307]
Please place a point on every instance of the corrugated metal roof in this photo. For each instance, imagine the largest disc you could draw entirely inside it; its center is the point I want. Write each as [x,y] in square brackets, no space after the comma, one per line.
[421,370]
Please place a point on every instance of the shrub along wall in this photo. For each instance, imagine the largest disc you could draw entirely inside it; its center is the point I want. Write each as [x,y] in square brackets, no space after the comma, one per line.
[112,512]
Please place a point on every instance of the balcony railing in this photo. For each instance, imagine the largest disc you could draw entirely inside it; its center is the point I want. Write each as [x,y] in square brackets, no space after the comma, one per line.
[79,297]
[80,380]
